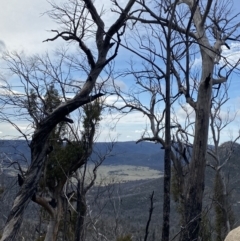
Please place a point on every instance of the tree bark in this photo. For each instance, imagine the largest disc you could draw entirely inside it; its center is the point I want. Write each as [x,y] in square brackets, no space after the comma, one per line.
[221,198]
[40,137]
[81,214]
[195,184]
[38,154]
[53,225]
[167,153]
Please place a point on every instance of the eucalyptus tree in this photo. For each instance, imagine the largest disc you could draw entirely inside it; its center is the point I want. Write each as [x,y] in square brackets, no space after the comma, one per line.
[78,22]
[200,30]
[68,150]
[221,155]
[68,146]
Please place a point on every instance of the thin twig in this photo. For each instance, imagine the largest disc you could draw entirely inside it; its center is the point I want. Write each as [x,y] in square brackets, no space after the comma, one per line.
[149,217]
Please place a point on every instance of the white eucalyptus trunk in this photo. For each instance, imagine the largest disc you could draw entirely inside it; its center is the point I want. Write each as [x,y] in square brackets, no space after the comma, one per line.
[53,225]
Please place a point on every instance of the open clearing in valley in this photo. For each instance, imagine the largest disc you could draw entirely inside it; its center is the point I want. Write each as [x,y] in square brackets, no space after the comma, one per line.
[124,173]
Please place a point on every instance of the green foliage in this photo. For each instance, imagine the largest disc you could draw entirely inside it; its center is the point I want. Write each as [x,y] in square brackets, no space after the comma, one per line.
[66,155]
[39,108]
[32,102]
[68,150]
[127,237]
[54,165]
[92,113]
[62,158]
[51,102]
[51,99]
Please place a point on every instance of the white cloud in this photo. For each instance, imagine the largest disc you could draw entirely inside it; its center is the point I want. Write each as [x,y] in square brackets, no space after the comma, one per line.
[2,46]
[120,84]
[8,131]
[139,131]
[22,127]
[232,55]
[196,62]
[181,113]
[122,127]
[114,100]
[23,27]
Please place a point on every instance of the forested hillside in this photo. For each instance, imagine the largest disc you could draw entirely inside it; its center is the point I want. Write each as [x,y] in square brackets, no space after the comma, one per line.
[123,208]
[79,79]
[123,153]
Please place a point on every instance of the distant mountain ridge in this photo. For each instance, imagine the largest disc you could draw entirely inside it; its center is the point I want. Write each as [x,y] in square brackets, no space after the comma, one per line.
[145,154]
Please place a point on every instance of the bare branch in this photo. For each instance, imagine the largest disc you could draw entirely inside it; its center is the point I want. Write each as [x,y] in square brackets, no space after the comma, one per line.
[206,12]
[149,217]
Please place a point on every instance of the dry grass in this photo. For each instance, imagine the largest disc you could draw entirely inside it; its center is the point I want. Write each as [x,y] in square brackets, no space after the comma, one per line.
[124,173]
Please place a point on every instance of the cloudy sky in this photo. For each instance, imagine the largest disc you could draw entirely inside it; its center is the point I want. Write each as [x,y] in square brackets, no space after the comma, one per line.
[23,27]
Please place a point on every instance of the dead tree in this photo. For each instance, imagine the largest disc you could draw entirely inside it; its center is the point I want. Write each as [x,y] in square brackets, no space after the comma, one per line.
[198,32]
[74,29]
[219,157]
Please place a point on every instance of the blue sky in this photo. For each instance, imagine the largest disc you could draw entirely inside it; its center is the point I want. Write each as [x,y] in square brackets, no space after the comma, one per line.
[23,28]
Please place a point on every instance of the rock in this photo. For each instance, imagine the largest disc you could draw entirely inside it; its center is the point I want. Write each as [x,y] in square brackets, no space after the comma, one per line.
[233,235]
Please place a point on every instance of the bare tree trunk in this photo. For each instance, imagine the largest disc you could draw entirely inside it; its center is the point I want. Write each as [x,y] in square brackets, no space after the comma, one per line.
[81,214]
[38,151]
[53,225]
[96,63]
[26,192]
[167,153]
[227,222]
[195,184]
[52,229]
[167,181]
[222,226]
